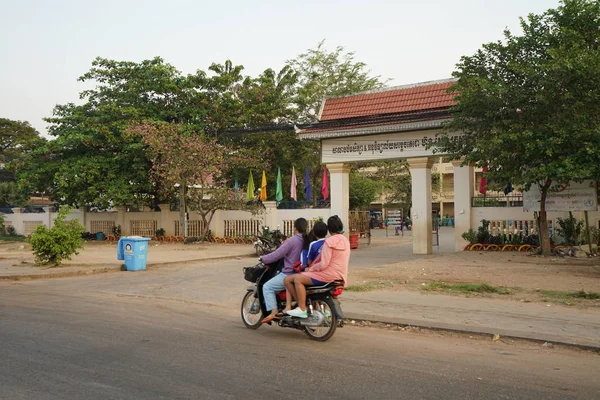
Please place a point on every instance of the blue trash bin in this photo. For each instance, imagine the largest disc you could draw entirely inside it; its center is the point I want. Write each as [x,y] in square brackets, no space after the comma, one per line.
[134,250]
[99,236]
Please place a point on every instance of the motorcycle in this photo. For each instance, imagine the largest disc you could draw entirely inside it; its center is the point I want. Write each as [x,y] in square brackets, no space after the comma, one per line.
[324,310]
[268,242]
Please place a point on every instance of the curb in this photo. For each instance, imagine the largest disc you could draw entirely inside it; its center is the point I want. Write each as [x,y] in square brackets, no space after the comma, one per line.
[440,326]
[102,270]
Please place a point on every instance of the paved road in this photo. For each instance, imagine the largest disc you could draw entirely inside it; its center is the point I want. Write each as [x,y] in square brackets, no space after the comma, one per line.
[60,344]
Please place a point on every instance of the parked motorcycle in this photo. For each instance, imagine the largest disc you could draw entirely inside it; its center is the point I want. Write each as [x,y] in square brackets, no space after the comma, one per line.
[268,242]
[324,310]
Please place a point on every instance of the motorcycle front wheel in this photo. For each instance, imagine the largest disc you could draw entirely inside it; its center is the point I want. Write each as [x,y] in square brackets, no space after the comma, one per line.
[327,329]
[252,314]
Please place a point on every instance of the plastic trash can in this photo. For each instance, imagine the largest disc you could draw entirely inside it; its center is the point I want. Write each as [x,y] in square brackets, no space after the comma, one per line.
[134,251]
[99,236]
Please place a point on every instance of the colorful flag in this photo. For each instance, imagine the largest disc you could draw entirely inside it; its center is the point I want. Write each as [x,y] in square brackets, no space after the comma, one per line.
[483,182]
[325,186]
[250,190]
[279,190]
[294,184]
[307,187]
[263,187]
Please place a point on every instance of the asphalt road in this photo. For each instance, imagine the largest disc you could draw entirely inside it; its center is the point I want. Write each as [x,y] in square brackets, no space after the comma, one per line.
[81,344]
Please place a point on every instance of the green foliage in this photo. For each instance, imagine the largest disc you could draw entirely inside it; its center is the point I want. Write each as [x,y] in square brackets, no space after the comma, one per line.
[160,232]
[11,231]
[363,191]
[529,106]
[470,236]
[17,137]
[117,230]
[51,246]
[323,73]
[570,230]
[11,194]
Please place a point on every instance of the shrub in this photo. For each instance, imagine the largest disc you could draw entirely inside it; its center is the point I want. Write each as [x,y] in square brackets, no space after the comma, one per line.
[570,229]
[160,232]
[51,246]
[11,231]
[117,230]
[470,236]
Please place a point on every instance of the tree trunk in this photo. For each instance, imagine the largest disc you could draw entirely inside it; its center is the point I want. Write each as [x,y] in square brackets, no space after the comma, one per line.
[183,228]
[544,235]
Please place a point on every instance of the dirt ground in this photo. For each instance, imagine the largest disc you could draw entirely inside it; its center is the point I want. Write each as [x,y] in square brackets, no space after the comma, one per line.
[525,276]
[105,253]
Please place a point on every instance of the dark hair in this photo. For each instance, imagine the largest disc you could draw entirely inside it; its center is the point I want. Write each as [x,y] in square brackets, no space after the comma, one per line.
[335,225]
[320,229]
[301,225]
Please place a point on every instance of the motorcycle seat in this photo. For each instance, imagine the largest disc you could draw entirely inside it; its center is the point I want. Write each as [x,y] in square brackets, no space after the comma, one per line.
[327,285]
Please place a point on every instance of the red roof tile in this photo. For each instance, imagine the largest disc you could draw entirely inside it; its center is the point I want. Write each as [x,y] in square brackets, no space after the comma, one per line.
[413,98]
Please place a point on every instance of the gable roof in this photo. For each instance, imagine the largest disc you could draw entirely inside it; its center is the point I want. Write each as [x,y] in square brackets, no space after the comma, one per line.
[400,99]
[424,101]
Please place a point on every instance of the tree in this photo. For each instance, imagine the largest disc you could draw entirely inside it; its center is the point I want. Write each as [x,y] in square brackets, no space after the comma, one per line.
[90,163]
[363,191]
[10,195]
[16,137]
[529,106]
[193,164]
[323,73]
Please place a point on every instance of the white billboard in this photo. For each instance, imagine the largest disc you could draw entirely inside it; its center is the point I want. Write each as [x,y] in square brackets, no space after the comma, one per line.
[379,147]
[572,197]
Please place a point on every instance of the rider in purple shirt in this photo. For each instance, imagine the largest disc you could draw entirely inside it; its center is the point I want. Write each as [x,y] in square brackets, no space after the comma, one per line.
[290,252]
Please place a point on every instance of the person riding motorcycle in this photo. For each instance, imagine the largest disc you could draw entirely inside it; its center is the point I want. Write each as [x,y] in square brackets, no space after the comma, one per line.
[290,252]
[331,265]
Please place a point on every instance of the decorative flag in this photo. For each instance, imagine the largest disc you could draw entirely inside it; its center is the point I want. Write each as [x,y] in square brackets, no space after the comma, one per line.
[236,190]
[325,186]
[250,190]
[307,188]
[508,189]
[263,187]
[294,184]
[483,182]
[279,190]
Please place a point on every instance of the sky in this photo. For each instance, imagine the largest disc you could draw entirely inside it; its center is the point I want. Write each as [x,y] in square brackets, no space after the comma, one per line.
[45,45]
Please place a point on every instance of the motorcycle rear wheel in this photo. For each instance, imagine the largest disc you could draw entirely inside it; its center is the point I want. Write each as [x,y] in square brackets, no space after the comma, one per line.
[325,332]
[250,317]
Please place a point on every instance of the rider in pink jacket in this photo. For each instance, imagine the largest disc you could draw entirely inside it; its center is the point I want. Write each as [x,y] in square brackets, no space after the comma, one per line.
[333,263]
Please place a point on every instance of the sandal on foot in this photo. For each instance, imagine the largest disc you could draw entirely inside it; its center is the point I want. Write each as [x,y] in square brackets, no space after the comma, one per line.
[269,318]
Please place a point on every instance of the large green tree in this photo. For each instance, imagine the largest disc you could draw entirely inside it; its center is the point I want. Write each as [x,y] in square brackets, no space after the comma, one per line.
[529,105]
[17,138]
[90,163]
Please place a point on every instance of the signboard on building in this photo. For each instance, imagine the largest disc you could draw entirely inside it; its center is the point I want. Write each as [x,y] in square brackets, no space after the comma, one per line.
[380,147]
[574,197]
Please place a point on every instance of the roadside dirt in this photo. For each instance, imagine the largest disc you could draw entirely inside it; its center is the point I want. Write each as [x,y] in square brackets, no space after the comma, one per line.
[526,276]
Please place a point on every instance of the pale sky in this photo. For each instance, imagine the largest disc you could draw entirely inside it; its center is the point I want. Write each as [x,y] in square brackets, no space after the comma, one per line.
[45,45]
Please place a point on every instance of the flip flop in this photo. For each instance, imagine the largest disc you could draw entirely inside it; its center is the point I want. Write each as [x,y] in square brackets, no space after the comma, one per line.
[268,319]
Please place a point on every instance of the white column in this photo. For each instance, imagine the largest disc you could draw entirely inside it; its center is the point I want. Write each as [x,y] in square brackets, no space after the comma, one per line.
[420,171]
[339,188]
[463,192]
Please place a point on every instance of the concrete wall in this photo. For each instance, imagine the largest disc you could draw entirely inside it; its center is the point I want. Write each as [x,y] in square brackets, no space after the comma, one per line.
[166,219]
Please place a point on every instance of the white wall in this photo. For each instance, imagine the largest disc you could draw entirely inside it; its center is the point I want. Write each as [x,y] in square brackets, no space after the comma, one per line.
[165,219]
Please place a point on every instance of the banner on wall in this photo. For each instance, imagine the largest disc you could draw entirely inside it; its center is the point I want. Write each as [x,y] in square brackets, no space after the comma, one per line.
[572,197]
